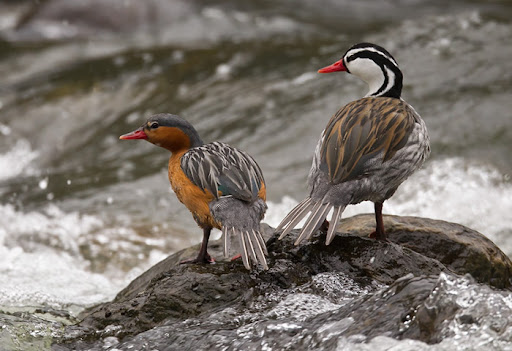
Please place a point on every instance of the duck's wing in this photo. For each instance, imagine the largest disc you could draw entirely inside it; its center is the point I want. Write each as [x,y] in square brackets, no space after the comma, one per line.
[223,170]
[364,132]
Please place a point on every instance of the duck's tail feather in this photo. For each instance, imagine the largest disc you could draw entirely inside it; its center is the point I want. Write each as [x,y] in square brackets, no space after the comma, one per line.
[227,241]
[241,219]
[293,213]
[315,212]
[315,220]
[335,219]
[252,246]
[295,216]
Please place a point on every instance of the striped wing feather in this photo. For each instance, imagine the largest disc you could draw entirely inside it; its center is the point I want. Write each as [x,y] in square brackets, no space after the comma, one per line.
[219,167]
[360,131]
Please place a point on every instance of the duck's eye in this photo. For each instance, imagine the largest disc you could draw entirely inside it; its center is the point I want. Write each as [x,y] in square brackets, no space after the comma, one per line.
[154,125]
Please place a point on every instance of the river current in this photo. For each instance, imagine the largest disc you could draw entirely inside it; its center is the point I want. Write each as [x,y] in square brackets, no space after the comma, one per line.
[83,213]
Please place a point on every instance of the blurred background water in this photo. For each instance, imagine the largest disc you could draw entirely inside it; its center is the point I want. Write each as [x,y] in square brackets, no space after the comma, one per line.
[83,213]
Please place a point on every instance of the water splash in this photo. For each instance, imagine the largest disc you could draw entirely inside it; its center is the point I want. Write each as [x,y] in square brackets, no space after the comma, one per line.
[17,160]
[51,258]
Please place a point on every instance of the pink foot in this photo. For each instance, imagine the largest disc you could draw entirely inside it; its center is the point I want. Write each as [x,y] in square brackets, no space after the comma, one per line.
[236,257]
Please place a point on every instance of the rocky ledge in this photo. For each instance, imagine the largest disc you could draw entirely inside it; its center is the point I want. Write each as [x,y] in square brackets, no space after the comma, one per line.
[313,296]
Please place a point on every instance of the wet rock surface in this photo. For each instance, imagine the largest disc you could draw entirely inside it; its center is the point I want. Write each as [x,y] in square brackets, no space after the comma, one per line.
[312,294]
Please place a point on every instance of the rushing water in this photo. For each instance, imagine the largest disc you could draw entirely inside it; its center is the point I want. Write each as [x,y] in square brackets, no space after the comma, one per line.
[83,213]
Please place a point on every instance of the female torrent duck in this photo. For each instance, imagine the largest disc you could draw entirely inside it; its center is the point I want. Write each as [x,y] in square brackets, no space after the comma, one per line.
[369,147]
[223,187]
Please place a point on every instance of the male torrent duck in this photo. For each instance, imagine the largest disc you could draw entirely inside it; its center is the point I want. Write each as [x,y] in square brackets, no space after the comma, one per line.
[369,147]
[223,187]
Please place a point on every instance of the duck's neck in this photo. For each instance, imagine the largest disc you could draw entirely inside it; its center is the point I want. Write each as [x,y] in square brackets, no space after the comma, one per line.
[386,82]
[177,141]
[195,140]
[179,150]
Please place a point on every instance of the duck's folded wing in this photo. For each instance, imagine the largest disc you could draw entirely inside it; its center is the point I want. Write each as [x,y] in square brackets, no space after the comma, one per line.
[223,170]
[361,131]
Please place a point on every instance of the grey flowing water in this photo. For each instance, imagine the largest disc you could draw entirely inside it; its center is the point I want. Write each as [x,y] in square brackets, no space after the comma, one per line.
[83,213]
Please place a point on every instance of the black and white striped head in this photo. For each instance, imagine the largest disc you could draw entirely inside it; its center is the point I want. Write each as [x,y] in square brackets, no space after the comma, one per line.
[374,65]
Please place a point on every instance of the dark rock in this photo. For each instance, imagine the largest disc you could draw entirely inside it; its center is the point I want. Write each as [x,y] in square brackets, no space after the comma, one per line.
[461,249]
[217,299]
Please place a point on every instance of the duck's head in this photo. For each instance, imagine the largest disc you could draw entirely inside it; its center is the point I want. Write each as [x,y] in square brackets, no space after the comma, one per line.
[374,65]
[168,131]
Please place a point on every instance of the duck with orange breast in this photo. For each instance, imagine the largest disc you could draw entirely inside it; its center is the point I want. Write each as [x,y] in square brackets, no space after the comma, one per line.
[223,187]
[369,147]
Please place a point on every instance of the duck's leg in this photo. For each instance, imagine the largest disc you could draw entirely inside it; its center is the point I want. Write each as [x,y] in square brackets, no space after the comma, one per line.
[379,233]
[203,256]
[324,228]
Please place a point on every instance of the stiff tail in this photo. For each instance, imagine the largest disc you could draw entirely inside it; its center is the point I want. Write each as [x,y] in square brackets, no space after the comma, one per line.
[252,246]
[295,216]
[333,224]
[315,212]
[315,220]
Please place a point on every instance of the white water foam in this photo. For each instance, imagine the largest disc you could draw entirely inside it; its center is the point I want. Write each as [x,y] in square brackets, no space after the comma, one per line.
[489,310]
[41,261]
[17,160]
[480,321]
[474,195]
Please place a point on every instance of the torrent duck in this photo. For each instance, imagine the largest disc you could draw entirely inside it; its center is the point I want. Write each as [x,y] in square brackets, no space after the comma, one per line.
[223,187]
[368,148]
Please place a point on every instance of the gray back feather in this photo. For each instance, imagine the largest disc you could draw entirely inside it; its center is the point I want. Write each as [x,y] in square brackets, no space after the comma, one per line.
[220,167]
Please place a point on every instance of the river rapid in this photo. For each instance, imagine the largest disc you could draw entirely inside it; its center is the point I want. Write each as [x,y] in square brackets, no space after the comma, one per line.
[83,213]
